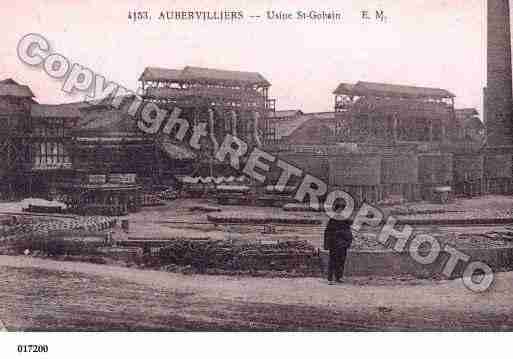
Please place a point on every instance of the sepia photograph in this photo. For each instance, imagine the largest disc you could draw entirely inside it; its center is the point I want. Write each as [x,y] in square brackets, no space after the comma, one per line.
[255,166]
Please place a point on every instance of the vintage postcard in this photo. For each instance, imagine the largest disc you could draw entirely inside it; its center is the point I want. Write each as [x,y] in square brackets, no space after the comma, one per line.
[279,166]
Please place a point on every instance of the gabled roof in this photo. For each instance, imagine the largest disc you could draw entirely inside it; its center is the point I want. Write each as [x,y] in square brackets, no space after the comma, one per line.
[190,72]
[205,74]
[113,122]
[286,113]
[9,87]
[381,89]
[286,127]
[466,112]
[159,73]
[9,81]
[474,122]
[469,117]
[322,115]
[344,88]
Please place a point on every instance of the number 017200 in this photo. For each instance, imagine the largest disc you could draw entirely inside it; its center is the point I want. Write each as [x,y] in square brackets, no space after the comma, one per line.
[33,348]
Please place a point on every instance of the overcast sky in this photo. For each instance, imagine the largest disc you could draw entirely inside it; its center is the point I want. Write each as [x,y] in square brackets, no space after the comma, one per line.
[434,43]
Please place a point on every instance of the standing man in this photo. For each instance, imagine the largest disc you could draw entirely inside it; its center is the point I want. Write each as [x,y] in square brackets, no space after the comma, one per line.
[337,239]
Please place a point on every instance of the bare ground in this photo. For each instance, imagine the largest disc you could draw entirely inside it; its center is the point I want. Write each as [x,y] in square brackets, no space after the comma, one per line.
[47,295]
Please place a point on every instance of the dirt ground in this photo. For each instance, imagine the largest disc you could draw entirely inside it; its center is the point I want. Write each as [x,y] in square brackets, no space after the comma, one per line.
[175,219]
[39,294]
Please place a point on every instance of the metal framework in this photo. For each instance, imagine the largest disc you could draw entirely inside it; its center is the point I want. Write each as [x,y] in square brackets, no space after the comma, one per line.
[229,102]
[393,113]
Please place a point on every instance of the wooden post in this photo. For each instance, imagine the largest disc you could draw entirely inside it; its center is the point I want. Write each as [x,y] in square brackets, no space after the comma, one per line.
[396,137]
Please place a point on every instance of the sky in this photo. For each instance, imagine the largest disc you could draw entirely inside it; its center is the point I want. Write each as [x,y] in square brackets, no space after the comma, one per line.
[433,43]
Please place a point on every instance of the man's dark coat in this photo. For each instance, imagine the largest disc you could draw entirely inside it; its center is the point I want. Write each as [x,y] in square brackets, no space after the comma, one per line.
[337,235]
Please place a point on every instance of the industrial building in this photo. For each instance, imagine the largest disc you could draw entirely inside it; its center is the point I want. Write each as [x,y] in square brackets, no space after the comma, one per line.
[380,141]
[96,159]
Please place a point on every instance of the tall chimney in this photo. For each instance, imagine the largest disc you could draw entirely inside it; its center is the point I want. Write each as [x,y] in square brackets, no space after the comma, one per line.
[498,95]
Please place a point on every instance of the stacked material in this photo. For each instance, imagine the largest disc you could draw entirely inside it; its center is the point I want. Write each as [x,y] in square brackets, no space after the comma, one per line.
[233,189]
[288,190]
[169,195]
[151,199]
[202,254]
[47,228]
[42,205]
[261,218]
[505,235]
[233,194]
[210,179]
[276,196]
[301,207]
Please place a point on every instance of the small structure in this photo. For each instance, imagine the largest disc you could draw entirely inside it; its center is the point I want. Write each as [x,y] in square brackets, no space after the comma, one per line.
[498,169]
[468,171]
[303,129]
[103,195]
[15,103]
[469,126]
[442,194]
[435,170]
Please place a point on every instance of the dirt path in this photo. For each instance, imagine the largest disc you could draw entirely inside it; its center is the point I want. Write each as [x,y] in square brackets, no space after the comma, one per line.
[52,295]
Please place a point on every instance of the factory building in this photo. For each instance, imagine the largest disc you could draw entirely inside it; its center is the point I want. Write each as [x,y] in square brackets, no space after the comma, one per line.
[380,141]
[96,159]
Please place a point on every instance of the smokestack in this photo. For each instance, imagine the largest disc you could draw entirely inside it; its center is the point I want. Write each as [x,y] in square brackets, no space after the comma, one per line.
[499,94]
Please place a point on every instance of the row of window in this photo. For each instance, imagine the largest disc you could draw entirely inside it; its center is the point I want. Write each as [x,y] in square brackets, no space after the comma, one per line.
[50,153]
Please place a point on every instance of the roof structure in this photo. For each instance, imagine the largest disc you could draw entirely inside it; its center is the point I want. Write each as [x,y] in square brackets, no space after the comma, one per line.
[344,88]
[68,110]
[362,88]
[108,123]
[469,117]
[190,73]
[286,113]
[9,81]
[9,87]
[286,127]
[159,73]
[73,109]
[466,112]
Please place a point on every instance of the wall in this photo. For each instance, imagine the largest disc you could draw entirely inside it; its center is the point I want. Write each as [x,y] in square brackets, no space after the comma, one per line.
[355,170]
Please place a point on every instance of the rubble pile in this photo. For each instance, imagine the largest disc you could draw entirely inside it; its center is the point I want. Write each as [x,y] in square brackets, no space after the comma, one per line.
[169,195]
[31,228]
[503,235]
[287,256]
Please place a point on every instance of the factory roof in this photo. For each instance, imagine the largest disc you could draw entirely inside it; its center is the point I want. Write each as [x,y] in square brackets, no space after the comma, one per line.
[286,127]
[9,87]
[191,73]
[286,113]
[362,88]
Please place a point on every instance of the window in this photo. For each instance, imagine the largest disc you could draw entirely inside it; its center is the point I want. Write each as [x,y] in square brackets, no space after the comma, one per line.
[50,154]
